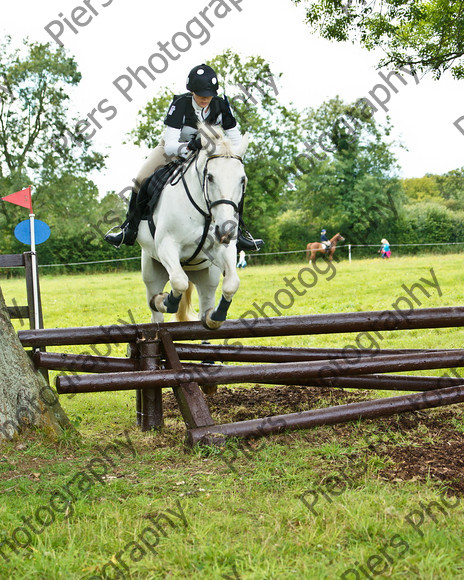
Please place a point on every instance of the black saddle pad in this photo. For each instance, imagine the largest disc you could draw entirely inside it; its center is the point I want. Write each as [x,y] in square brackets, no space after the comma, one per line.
[154,185]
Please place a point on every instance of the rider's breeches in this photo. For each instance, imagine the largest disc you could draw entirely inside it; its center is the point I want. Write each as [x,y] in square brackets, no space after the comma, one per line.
[137,204]
[154,161]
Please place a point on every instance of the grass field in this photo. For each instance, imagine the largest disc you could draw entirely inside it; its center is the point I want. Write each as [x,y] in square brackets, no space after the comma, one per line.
[373,499]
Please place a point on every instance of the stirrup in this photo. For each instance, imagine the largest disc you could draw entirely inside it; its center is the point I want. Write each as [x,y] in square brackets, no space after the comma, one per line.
[105,237]
[248,241]
[127,236]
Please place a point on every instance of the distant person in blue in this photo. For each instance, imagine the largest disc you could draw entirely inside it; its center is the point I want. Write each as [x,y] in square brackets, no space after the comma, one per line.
[242,260]
[385,249]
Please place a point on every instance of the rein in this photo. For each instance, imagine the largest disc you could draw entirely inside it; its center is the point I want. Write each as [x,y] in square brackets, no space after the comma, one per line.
[209,204]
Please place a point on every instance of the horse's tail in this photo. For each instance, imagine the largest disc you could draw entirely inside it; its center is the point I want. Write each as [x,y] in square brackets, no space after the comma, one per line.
[185,311]
[307,252]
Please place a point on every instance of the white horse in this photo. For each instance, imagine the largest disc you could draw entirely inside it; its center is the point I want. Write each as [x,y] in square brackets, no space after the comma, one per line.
[196,222]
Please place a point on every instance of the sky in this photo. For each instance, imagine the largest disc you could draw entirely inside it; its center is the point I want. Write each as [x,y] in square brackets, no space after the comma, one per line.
[116,34]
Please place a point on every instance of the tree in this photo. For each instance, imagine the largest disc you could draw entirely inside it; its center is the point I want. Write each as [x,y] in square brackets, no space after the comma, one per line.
[25,398]
[349,183]
[35,144]
[428,222]
[289,232]
[252,90]
[451,187]
[428,35]
[419,189]
[34,85]
[446,189]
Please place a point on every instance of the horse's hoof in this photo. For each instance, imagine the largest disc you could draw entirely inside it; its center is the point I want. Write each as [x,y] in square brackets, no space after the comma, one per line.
[157,302]
[208,322]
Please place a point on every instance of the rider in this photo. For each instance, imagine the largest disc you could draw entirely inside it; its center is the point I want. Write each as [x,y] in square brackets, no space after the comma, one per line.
[180,138]
[325,240]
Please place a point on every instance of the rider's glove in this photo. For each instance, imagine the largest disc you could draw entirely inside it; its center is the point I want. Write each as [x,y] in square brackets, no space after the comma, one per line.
[194,144]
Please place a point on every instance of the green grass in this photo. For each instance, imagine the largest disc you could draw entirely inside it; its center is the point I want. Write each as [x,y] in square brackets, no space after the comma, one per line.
[247,522]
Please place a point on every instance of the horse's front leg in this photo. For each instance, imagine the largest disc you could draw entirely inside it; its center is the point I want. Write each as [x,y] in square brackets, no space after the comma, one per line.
[231,282]
[169,257]
[155,277]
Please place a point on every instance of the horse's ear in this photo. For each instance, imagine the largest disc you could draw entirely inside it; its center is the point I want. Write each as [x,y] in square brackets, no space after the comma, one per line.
[241,148]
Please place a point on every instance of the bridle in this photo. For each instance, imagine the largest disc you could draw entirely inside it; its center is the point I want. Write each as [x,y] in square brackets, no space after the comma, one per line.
[204,186]
[209,204]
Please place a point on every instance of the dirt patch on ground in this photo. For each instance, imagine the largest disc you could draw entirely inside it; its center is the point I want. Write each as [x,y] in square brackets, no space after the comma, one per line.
[440,462]
[428,445]
[434,450]
[240,404]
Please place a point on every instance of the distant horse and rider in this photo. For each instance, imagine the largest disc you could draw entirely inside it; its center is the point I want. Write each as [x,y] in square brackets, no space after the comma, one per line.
[325,247]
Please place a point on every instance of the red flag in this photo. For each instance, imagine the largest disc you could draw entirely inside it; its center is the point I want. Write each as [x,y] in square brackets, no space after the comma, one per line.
[22,198]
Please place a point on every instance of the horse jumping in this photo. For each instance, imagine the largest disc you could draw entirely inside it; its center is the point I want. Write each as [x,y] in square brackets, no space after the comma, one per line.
[316,247]
[196,223]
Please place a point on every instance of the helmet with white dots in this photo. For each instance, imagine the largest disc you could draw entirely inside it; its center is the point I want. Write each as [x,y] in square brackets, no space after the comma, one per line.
[203,81]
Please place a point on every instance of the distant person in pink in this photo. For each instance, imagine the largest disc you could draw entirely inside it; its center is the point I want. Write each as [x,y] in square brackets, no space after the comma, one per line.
[385,249]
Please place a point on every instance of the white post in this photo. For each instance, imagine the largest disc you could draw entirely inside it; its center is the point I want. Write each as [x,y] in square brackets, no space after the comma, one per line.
[349,252]
[35,285]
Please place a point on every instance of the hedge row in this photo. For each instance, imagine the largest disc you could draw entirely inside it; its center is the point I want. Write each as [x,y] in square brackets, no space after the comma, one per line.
[418,224]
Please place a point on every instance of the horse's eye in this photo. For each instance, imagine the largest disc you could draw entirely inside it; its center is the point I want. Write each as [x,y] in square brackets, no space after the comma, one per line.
[210,178]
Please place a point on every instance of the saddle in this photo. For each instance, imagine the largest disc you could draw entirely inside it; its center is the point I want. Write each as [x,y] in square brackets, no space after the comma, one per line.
[143,203]
[326,246]
[153,186]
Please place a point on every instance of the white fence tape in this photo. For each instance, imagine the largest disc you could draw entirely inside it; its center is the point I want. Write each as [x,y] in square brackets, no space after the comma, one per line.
[257,254]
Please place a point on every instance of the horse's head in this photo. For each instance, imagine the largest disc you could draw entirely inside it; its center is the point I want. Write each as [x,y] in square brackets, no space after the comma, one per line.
[224,180]
[338,238]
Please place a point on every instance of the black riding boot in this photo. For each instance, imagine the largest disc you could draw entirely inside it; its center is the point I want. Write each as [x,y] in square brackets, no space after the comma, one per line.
[127,236]
[129,228]
[245,240]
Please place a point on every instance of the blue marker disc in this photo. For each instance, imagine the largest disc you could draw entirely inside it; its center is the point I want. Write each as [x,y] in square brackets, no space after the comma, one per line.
[22,232]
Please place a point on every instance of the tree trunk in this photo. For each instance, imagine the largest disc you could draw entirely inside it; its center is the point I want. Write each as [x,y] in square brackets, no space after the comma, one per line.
[25,398]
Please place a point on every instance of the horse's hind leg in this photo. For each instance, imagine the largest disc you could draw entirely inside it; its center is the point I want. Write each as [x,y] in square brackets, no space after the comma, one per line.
[206,282]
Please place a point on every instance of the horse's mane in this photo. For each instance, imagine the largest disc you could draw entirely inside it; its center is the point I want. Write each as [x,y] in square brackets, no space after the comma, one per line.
[215,136]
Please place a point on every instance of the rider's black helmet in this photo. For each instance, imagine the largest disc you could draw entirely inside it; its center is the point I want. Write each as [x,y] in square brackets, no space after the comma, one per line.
[203,81]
